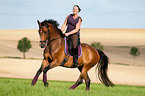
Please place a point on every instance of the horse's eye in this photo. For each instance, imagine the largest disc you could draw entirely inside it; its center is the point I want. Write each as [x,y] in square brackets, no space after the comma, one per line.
[40,31]
[45,32]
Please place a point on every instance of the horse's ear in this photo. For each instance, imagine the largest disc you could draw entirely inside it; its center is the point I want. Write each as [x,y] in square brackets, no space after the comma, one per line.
[38,23]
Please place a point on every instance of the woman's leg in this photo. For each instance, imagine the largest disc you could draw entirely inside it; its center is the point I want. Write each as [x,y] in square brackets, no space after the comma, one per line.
[74,38]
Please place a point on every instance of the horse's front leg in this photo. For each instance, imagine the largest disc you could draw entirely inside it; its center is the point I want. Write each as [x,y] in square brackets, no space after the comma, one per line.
[45,68]
[49,66]
[45,63]
[36,76]
[45,78]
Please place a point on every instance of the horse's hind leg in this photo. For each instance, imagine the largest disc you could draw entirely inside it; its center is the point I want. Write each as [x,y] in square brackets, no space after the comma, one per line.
[36,76]
[80,80]
[87,81]
[86,78]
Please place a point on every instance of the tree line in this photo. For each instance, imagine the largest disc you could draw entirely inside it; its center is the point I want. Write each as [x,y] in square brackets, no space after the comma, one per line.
[134,51]
[24,46]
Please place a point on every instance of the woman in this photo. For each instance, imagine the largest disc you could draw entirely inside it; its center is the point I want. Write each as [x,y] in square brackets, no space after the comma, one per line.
[73,23]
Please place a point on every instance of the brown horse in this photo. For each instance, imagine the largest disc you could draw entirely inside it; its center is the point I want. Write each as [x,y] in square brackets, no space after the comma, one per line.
[51,38]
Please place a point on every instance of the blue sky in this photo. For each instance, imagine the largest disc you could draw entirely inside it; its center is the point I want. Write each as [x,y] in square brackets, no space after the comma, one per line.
[23,14]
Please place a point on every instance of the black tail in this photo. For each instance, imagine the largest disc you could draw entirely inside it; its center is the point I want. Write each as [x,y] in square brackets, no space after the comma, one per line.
[102,69]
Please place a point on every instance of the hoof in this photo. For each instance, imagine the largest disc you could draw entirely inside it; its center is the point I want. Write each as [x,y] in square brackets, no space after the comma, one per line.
[87,89]
[46,84]
[32,83]
[71,88]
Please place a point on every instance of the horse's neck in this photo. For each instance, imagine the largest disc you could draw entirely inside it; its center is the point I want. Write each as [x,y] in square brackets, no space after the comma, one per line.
[55,34]
[55,46]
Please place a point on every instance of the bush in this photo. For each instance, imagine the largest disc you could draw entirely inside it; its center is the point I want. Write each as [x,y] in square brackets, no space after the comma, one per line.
[98,45]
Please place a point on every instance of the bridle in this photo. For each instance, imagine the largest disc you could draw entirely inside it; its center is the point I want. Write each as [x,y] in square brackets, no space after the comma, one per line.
[47,38]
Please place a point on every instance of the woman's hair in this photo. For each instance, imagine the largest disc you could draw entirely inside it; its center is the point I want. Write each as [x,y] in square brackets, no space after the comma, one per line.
[78,7]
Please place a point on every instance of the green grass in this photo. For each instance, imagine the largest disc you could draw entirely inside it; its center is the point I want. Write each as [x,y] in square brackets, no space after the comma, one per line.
[22,87]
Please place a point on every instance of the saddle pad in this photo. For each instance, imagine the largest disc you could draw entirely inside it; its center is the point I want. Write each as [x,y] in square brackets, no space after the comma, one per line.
[67,49]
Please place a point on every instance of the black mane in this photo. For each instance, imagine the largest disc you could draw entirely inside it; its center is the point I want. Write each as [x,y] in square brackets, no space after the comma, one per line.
[54,22]
[51,21]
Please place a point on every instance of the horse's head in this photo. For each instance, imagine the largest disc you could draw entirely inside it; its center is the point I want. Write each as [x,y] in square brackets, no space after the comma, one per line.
[44,33]
[49,31]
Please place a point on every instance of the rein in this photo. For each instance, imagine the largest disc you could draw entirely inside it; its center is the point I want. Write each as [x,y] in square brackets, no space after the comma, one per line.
[51,40]
[54,40]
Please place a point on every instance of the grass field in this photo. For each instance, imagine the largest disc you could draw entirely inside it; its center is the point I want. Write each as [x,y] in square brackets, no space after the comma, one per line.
[23,87]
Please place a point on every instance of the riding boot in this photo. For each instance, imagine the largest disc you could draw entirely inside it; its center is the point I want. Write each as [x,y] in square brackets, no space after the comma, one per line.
[75,57]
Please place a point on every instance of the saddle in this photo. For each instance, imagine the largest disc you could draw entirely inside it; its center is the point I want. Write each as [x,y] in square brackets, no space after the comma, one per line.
[68,47]
[68,50]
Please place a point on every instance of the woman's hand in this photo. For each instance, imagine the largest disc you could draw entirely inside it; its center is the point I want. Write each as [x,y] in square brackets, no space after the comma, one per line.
[66,34]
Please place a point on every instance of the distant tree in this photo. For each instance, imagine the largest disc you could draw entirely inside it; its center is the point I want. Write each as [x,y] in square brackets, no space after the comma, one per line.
[134,52]
[24,45]
[97,45]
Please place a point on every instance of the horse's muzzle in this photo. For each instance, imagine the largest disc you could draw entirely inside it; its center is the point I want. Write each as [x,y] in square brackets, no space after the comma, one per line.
[42,44]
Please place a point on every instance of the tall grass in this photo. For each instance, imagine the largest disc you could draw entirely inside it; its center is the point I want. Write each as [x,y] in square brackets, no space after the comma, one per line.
[23,87]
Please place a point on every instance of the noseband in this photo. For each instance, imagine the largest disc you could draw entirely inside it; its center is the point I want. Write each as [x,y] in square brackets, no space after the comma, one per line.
[43,41]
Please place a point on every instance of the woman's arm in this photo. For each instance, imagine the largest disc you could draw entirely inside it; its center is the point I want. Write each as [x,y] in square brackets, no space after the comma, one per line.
[64,24]
[76,29]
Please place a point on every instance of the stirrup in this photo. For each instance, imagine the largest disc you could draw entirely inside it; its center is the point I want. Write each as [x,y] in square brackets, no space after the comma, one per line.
[76,63]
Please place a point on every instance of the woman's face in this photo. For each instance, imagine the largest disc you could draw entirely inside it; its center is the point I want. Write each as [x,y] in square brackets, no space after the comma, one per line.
[75,10]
